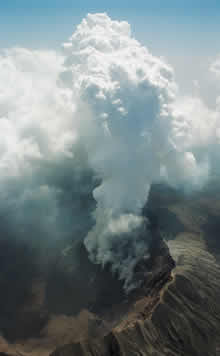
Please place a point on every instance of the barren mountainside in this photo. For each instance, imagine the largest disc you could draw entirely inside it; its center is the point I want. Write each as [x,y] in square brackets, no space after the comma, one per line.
[175,311]
[185,319]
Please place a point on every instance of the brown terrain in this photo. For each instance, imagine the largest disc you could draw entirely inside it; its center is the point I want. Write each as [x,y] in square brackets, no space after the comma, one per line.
[64,310]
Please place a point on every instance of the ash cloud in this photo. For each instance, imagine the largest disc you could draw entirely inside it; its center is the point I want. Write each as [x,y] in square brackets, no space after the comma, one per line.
[44,177]
[105,111]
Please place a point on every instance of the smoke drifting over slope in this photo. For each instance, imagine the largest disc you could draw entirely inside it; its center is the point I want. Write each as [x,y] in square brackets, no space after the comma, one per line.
[105,111]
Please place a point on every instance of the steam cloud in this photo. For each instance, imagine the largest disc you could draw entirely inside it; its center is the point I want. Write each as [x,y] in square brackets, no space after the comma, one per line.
[104,111]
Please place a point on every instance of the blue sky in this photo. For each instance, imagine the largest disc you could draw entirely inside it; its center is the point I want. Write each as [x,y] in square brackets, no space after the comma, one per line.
[186,32]
[47,22]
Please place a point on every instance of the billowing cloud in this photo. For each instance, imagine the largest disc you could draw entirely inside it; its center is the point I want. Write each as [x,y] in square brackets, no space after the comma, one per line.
[105,111]
[42,180]
[215,67]
[137,133]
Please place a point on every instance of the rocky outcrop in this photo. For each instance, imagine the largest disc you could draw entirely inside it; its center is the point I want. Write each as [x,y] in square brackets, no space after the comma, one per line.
[175,312]
[180,316]
[184,321]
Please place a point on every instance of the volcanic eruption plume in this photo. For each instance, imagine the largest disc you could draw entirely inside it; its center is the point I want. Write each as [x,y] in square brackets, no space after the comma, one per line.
[102,118]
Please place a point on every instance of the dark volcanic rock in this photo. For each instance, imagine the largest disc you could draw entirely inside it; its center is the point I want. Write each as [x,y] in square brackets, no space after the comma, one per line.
[89,285]
[17,270]
[178,313]
[82,310]
[185,321]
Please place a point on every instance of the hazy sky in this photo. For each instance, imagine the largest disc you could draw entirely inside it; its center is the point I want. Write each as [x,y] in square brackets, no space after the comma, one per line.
[185,32]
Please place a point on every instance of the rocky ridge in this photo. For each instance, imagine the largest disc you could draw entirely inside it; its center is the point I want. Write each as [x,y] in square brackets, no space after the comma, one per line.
[175,311]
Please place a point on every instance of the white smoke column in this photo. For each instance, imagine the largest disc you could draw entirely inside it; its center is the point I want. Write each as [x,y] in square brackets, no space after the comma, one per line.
[125,98]
[108,107]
